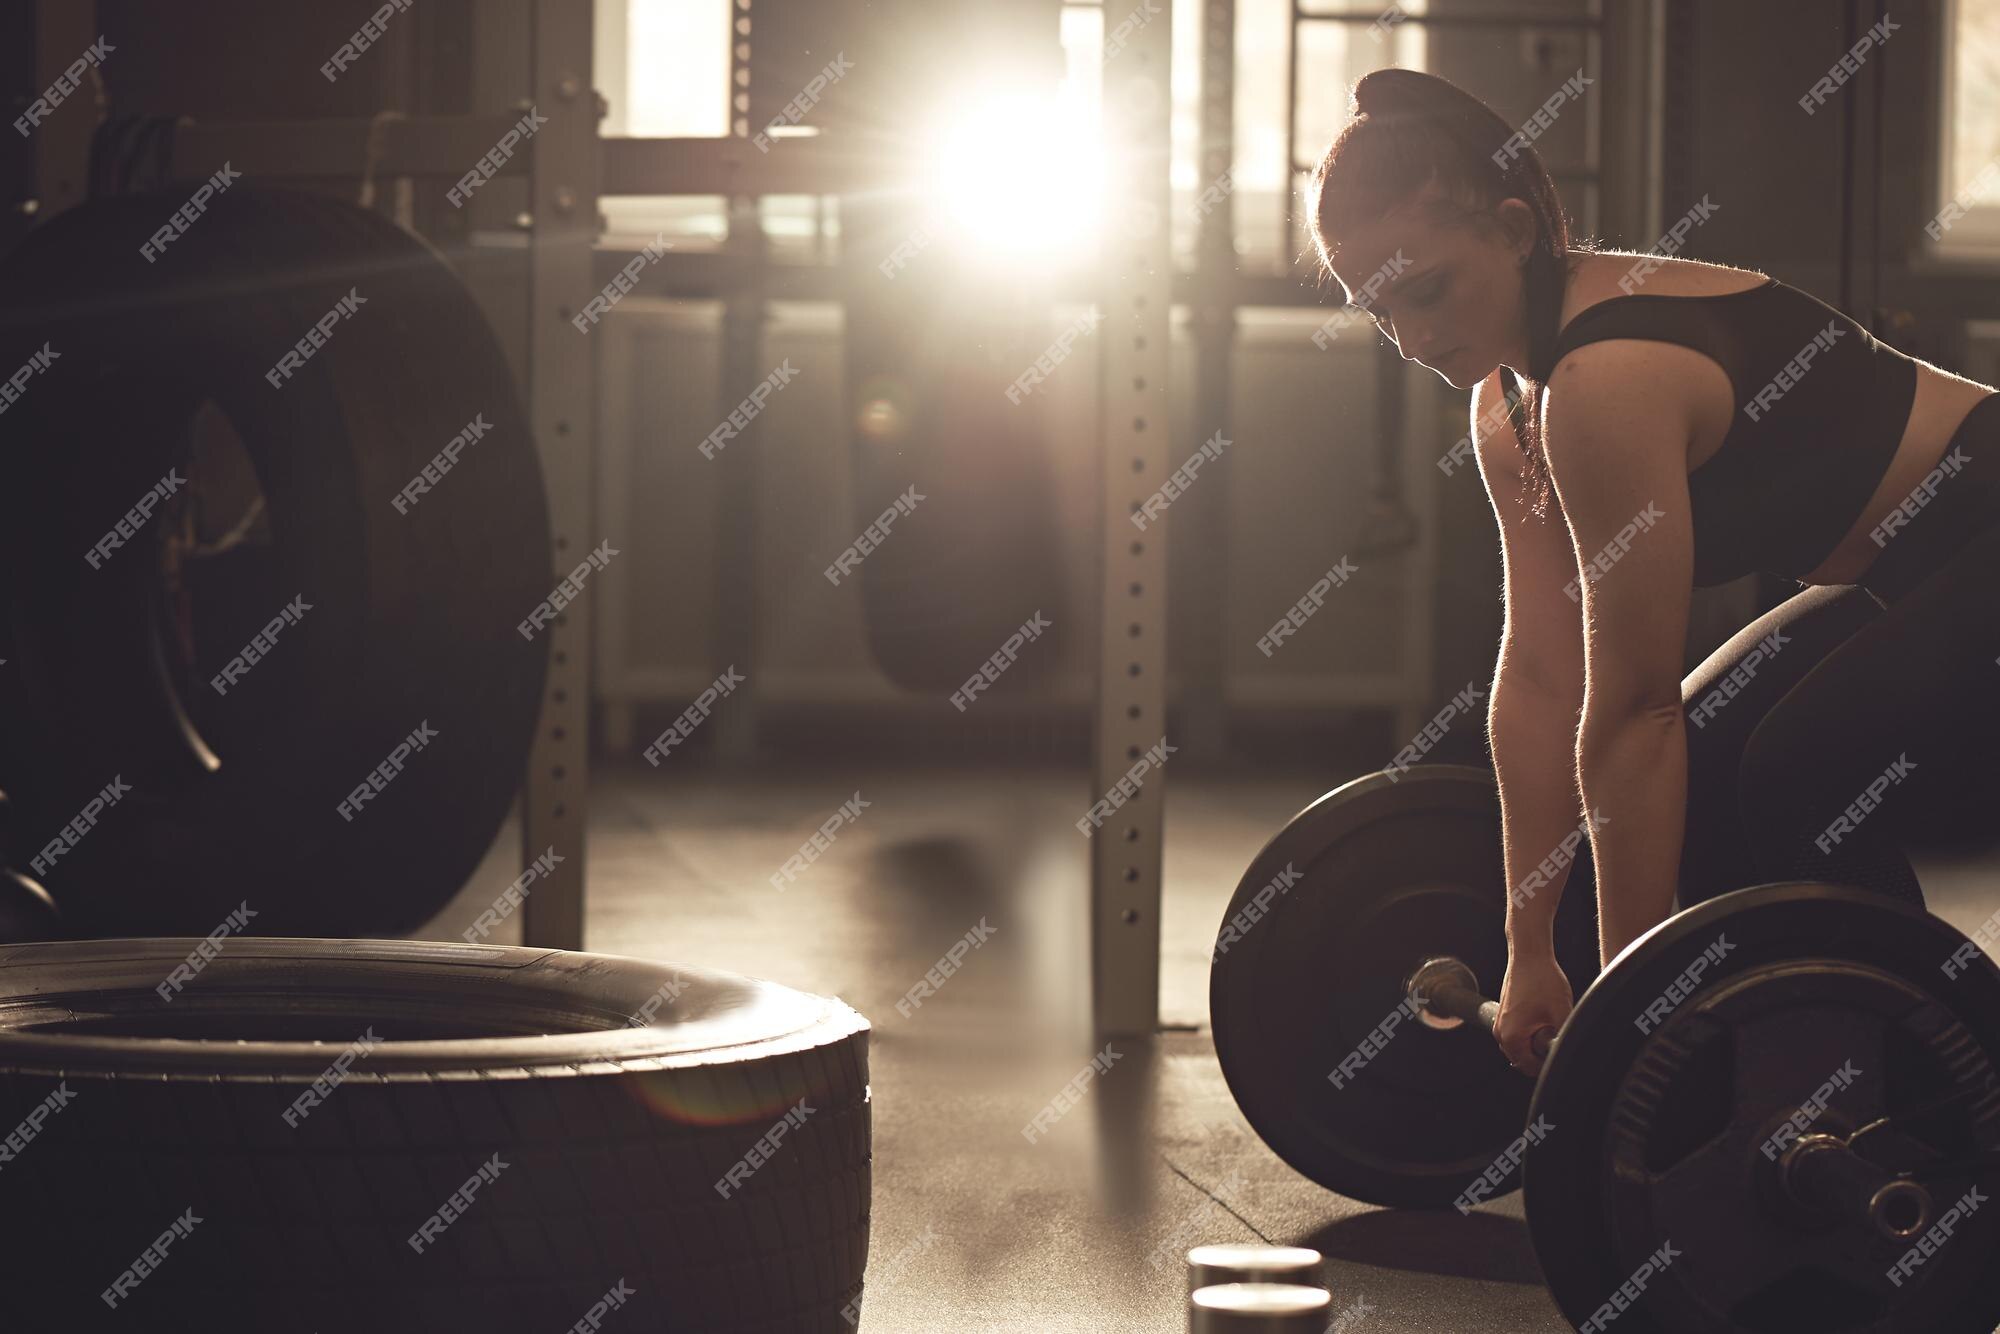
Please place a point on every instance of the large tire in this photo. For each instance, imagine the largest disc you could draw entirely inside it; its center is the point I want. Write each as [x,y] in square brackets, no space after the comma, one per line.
[613,1138]
[412,615]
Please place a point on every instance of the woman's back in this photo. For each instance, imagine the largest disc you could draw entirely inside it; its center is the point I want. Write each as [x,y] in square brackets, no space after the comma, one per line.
[1804,432]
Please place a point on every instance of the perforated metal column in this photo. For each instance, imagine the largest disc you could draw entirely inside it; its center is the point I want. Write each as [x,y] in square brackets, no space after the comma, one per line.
[1201,582]
[563,199]
[1131,692]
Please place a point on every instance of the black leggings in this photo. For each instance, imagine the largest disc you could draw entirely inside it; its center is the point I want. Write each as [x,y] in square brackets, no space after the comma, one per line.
[1872,703]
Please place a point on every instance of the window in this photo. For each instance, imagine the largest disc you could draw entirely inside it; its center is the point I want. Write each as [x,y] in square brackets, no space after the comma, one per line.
[1332,57]
[665,67]
[1968,206]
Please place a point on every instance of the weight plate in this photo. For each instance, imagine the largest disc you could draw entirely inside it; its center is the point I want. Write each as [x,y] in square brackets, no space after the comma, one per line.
[1796,1008]
[1385,874]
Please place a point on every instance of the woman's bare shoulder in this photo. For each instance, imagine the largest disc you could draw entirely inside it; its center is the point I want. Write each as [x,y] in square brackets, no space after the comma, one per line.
[1604,274]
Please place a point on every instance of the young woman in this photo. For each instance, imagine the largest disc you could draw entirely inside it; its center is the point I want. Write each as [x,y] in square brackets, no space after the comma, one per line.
[1679,424]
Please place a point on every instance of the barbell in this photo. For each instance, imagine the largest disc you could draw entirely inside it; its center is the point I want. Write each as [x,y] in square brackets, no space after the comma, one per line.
[1307,991]
[1774,1111]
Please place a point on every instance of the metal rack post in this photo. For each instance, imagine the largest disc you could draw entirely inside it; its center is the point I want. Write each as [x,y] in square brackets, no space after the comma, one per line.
[561,390]
[1203,583]
[1133,453]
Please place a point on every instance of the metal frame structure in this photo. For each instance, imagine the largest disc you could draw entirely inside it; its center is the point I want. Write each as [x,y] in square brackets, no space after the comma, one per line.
[1212,326]
[1592,25]
[562,174]
[568,167]
[1133,442]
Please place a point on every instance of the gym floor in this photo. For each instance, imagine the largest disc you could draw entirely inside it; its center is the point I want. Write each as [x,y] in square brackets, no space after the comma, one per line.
[975,1228]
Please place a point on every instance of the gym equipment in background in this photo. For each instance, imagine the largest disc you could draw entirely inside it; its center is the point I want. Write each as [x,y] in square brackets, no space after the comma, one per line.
[273,525]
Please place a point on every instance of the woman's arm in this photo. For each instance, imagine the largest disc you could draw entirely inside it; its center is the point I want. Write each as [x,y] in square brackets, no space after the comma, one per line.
[1533,738]
[1617,436]
[1537,696]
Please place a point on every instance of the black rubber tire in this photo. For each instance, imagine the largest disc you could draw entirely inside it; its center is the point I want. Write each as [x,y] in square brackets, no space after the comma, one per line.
[413,616]
[613,1138]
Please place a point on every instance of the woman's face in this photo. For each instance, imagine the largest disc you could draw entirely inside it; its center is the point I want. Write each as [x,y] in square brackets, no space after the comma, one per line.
[1451,298]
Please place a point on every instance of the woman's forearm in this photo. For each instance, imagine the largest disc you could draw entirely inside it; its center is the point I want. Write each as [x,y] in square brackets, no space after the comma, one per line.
[1634,771]
[1533,733]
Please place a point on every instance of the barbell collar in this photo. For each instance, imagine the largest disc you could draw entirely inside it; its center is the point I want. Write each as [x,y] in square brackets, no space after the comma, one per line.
[1823,1173]
[1445,993]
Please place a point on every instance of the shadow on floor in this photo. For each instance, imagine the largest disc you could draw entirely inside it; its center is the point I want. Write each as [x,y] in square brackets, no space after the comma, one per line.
[1443,1242]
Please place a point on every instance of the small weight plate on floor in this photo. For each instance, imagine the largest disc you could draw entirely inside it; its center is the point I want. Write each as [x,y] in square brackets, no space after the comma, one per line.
[1798,1006]
[1383,875]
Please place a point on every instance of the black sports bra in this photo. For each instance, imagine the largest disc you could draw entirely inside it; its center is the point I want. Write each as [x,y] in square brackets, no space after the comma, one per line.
[1820,408]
